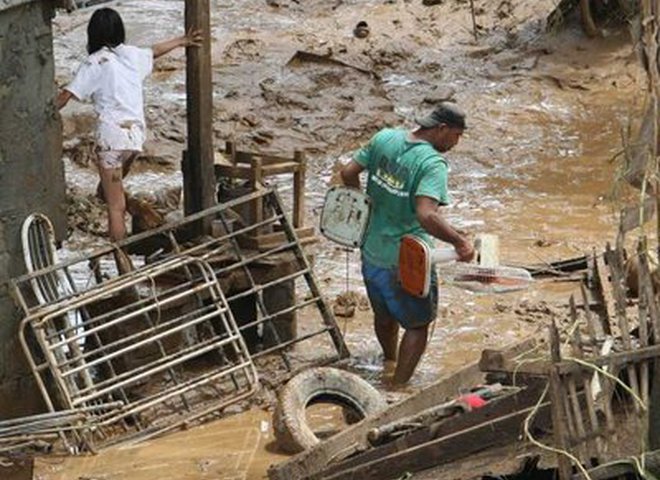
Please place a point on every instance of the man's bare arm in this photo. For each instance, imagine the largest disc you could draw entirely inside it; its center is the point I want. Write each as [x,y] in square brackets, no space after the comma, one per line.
[432,221]
[350,174]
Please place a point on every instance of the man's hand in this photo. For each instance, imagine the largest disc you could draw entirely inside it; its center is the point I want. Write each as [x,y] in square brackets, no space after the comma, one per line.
[465,250]
[431,220]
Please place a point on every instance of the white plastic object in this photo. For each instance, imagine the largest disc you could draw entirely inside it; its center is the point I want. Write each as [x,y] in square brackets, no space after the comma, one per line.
[345,216]
[443,255]
[416,261]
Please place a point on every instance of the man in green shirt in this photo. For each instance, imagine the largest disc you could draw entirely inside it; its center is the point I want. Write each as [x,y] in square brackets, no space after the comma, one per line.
[407,183]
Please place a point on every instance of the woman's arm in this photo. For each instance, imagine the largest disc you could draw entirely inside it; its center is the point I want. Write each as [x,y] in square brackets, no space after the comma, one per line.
[63,98]
[191,39]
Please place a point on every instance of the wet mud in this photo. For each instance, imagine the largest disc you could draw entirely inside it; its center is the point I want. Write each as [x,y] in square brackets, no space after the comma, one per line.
[545,117]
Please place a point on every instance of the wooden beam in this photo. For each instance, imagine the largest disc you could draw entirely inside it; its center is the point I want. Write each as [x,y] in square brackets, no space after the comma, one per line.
[445,448]
[354,438]
[496,408]
[198,163]
[299,190]
[560,415]
[490,363]
[607,298]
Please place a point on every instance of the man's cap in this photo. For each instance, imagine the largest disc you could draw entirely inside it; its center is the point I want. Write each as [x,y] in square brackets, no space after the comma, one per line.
[447,113]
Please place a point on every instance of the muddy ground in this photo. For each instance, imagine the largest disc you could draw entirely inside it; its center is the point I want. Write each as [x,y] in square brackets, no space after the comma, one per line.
[545,114]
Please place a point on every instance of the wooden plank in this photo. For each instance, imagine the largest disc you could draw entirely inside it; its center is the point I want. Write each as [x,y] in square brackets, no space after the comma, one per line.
[299,190]
[616,271]
[573,381]
[542,367]
[643,330]
[199,103]
[256,207]
[244,157]
[246,172]
[231,171]
[652,306]
[631,216]
[557,407]
[495,359]
[491,411]
[267,241]
[281,168]
[605,292]
[594,326]
[354,438]
[444,449]
[594,423]
[491,361]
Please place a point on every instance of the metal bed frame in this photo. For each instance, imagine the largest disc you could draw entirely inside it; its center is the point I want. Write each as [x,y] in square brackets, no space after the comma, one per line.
[172,315]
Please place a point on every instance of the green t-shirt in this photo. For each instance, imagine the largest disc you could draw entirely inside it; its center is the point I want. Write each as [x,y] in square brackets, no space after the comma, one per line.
[398,171]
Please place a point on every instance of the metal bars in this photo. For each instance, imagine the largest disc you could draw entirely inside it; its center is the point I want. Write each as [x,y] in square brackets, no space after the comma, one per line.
[124,329]
[130,351]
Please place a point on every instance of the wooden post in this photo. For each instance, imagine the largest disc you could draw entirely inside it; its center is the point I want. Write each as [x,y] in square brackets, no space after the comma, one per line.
[257,205]
[199,189]
[557,407]
[652,307]
[613,258]
[299,189]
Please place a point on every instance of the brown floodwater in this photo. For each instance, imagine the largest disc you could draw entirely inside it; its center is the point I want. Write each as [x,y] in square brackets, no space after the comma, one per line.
[545,114]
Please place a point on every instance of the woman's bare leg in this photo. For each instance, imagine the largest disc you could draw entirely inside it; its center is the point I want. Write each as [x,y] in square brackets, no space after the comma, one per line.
[113,191]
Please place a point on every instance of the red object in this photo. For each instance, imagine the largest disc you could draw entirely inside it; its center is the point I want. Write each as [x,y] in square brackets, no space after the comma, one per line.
[473,400]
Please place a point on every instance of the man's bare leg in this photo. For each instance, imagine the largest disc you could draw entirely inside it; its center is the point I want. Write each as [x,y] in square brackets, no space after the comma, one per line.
[411,349]
[387,332]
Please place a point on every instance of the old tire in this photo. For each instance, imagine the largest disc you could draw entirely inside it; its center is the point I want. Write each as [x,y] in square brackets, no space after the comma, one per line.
[319,385]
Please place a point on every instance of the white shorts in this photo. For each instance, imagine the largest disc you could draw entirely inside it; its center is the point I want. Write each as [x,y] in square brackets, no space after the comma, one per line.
[111,159]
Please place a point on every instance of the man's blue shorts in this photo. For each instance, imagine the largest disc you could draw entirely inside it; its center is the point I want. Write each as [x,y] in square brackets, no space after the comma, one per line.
[388,298]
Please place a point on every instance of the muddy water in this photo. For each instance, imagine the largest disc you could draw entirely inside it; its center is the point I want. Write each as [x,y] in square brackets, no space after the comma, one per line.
[231,449]
[545,115]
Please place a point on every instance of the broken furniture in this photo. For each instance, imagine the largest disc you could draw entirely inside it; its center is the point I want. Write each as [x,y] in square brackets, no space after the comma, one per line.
[255,168]
[611,343]
[162,338]
[131,332]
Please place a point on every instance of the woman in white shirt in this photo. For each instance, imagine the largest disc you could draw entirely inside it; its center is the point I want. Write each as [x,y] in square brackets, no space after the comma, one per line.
[112,77]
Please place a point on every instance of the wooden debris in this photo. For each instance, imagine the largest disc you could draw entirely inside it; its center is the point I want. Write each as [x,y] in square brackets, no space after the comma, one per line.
[354,438]
[499,422]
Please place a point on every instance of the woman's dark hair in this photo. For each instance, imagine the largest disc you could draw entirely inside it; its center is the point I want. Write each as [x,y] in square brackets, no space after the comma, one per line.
[105,29]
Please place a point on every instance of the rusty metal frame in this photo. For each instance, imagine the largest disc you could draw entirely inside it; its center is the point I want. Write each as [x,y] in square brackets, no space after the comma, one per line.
[176,238]
[104,367]
[67,428]
[55,347]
